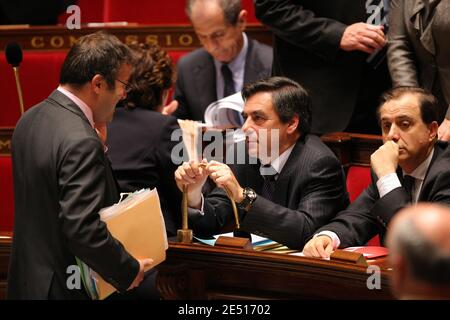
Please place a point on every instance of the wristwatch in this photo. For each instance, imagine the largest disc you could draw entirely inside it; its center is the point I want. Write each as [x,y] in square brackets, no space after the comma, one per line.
[249,198]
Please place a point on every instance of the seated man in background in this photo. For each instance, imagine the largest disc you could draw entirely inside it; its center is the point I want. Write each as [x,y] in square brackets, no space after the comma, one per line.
[419,252]
[227,61]
[296,184]
[410,166]
[139,137]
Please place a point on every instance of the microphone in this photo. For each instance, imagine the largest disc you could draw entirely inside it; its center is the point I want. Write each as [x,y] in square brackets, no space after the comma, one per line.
[14,57]
[13,54]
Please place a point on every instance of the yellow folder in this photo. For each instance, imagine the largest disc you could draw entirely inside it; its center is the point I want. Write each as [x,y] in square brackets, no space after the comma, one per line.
[138,224]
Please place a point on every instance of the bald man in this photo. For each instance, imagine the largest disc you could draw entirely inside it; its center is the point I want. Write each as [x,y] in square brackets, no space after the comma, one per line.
[419,243]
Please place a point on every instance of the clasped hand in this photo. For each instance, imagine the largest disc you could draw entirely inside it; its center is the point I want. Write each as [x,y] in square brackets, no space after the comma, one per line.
[194,174]
[385,160]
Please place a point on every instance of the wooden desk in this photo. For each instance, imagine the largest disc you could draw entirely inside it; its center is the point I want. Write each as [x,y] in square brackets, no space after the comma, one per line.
[196,271]
[283,274]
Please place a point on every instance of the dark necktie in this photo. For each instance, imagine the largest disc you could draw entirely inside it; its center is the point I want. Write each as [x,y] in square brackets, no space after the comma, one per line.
[228,88]
[408,184]
[269,175]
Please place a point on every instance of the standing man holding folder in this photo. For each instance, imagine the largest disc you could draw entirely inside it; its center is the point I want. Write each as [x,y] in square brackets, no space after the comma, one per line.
[62,179]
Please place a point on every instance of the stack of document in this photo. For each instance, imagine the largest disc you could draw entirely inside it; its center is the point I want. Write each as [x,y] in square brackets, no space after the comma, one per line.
[138,223]
[226,112]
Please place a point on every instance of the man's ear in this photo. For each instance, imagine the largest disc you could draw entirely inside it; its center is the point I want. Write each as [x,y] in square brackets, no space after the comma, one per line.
[399,276]
[293,124]
[242,20]
[97,82]
[433,127]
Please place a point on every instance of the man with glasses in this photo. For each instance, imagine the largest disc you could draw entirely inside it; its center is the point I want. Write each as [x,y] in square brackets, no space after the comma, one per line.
[62,179]
[227,61]
[126,86]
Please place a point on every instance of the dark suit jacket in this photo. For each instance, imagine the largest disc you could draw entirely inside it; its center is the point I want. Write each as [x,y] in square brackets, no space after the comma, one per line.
[307,49]
[309,191]
[195,88]
[418,53]
[139,146]
[61,181]
[369,215]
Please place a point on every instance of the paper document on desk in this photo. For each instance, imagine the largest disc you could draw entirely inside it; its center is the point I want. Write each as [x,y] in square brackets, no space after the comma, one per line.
[226,112]
[138,223]
[370,252]
[257,241]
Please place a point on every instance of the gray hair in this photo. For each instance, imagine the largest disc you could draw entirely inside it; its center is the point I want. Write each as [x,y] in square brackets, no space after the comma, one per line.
[230,8]
[427,262]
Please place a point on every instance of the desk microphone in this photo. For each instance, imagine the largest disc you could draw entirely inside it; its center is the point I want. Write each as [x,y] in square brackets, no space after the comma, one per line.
[14,56]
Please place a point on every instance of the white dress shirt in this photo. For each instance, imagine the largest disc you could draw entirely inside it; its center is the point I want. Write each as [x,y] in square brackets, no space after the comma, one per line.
[388,183]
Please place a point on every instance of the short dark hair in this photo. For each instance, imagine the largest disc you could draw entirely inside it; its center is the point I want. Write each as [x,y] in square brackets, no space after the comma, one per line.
[428,103]
[97,53]
[288,98]
[153,73]
[230,8]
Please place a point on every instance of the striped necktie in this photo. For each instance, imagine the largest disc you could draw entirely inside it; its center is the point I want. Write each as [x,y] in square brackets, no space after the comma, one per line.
[268,188]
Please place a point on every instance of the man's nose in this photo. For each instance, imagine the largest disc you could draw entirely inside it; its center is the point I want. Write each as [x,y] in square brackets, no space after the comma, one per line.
[210,44]
[393,133]
[246,125]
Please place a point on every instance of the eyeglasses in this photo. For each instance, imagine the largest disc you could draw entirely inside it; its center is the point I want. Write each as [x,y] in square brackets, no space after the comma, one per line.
[127,86]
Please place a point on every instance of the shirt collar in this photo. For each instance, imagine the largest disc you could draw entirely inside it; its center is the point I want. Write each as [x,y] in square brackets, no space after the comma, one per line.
[420,172]
[279,162]
[80,103]
[237,63]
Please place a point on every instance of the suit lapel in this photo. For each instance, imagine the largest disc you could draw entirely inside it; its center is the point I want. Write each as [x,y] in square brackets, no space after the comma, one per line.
[424,28]
[254,178]
[205,81]
[282,184]
[432,173]
[254,69]
[57,97]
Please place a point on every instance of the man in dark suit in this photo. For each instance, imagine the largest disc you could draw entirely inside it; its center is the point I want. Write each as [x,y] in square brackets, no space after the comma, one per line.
[409,167]
[62,179]
[326,46]
[297,184]
[419,252]
[227,61]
